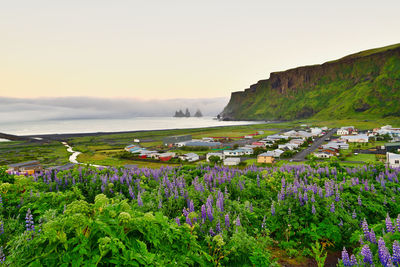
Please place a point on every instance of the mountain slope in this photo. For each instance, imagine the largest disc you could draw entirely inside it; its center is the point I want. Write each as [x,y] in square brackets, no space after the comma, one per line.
[361,85]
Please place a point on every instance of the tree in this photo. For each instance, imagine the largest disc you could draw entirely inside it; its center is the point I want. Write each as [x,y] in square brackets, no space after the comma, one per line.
[215,159]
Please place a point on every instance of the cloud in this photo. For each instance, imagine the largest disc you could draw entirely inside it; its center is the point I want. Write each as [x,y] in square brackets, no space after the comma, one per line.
[75,108]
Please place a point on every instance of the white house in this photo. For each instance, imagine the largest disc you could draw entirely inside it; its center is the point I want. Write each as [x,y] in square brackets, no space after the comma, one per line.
[236,152]
[322,155]
[393,160]
[216,154]
[345,130]
[248,137]
[359,138]
[190,157]
[337,145]
[231,161]
[246,150]
[316,131]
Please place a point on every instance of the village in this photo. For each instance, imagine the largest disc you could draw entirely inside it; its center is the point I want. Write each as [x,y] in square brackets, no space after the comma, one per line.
[319,144]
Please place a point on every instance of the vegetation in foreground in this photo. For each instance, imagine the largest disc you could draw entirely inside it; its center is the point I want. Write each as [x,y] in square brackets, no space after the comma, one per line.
[198,215]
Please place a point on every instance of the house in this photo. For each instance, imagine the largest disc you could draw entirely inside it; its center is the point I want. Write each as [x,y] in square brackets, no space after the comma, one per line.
[337,145]
[316,131]
[248,137]
[62,168]
[215,154]
[359,138]
[236,152]
[265,158]
[392,147]
[203,144]
[388,129]
[166,156]
[323,155]
[208,139]
[330,150]
[393,160]
[231,161]
[287,146]
[260,132]
[171,140]
[190,157]
[345,130]
[247,150]
[28,167]
[259,144]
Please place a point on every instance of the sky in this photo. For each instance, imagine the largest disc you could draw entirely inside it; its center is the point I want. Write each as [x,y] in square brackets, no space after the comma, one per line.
[176,49]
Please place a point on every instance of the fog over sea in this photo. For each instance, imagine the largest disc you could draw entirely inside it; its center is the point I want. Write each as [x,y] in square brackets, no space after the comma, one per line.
[86,115]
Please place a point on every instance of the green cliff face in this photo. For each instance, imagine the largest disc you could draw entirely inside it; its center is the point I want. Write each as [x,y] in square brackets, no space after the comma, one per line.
[363,85]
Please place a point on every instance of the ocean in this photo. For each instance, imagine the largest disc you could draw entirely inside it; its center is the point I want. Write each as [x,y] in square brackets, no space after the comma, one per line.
[111,125]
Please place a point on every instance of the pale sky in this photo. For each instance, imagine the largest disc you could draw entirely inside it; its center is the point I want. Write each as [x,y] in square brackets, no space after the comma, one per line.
[176,49]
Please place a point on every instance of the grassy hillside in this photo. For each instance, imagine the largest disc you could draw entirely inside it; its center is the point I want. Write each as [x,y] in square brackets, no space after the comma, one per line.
[364,85]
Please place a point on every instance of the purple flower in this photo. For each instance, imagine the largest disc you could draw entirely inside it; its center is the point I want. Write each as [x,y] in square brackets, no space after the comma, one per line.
[353,260]
[359,201]
[272,209]
[384,255]
[332,209]
[263,223]
[398,222]
[396,253]
[389,225]
[1,228]
[313,209]
[365,228]
[372,236]
[178,221]
[203,212]
[345,258]
[366,253]
[191,206]
[218,227]
[227,224]
[238,221]
[212,233]
[139,200]
[210,213]
[2,256]
[29,224]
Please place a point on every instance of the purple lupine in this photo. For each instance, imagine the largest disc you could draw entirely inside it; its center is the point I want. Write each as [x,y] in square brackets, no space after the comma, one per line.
[312,198]
[220,204]
[272,209]
[359,200]
[341,222]
[353,260]
[2,256]
[210,213]
[178,221]
[160,203]
[383,252]
[238,221]
[366,253]
[203,212]
[332,209]
[313,211]
[29,224]
[345,257]
[372,236]
[212,233]
[365,229]
[354,214]
[263,223]
[218,227]
[396,253]
[227,224]
[189,221]
[139,199]
[389,225]
[1,228]
[191,206]
[398,223]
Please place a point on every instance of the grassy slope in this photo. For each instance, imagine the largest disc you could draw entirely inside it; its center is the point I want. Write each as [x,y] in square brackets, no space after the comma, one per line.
[366,84]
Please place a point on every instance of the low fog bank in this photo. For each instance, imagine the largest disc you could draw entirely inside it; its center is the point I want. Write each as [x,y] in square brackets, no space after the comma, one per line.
[75,108]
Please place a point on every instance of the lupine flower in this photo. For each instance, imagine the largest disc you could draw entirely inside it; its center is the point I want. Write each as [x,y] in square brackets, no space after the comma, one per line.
[227,224]
[238,221]
[372,236]
[341,222]
[188,220]
[263,223]
[29,224]
[212,233]
[396,253]
[178,221]
[384,255]
[354,214]
[332,209]
[210,213]
[313,209]
[139,199]
[203,212]
[359,201]
[218,227]
[160,203]
[272,209]
[353,260]
[365,228]
[191,206]
[366,253]
[398,222]
[389,225]
[312,198]
[2,256]
[1,228]
[345,258]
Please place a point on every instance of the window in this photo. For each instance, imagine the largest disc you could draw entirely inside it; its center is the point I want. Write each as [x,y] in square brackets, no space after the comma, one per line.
[396,162]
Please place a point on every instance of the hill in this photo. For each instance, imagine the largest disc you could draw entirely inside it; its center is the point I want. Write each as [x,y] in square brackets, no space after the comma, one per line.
[362,85]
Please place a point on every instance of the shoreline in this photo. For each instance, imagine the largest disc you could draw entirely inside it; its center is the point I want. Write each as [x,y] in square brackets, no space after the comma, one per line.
[61,136]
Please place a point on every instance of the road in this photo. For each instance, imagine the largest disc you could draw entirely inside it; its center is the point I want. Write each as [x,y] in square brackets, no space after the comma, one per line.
[301,156]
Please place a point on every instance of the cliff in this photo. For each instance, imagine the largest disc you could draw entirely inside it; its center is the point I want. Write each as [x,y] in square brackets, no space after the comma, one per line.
[361,85]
